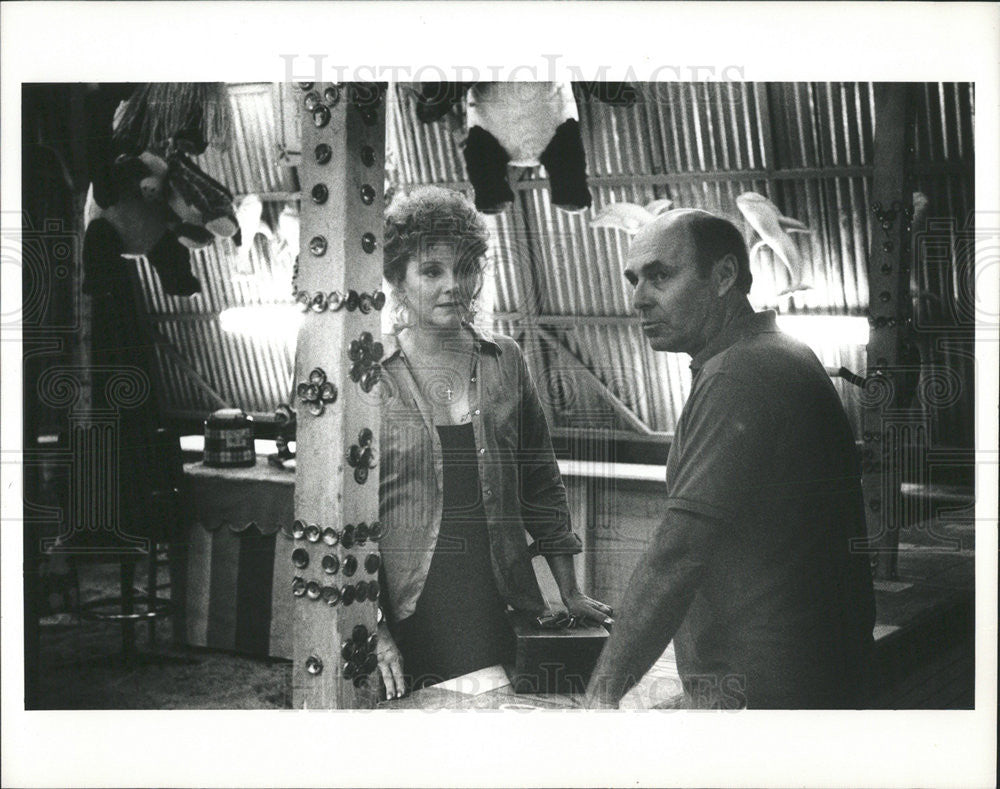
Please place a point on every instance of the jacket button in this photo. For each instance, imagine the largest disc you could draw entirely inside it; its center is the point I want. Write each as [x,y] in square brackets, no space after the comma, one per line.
[482,450]
[476,412]
[488,492]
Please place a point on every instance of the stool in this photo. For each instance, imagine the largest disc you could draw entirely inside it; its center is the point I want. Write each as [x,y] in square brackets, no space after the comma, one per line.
[132,605]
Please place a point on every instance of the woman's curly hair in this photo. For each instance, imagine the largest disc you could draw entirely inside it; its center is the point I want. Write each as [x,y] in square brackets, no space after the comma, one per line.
[432,215]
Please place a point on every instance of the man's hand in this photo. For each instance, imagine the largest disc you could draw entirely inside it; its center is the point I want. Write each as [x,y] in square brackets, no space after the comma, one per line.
[588,609]
[390,664]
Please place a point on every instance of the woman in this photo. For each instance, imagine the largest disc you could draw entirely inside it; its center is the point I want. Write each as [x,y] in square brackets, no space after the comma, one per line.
[466,464]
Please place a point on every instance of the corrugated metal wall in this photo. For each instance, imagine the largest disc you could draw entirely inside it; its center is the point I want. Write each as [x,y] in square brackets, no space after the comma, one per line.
[807,146]
[203,367]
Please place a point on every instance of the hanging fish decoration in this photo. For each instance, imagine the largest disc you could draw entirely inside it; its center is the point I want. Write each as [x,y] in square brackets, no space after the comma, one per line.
[773,228]
[249,214]
[630,217]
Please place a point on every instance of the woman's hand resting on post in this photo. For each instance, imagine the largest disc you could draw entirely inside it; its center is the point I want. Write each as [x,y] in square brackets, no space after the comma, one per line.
[587,609]
[390,663]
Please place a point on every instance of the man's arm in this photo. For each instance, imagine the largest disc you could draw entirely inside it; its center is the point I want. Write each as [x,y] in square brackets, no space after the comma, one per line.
[718,474]
[657,597]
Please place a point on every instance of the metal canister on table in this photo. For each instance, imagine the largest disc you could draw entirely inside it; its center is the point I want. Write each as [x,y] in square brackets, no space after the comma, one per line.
[229,439]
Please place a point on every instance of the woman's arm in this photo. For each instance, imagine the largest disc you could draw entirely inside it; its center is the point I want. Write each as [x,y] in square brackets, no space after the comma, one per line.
[576,602]
[545,509]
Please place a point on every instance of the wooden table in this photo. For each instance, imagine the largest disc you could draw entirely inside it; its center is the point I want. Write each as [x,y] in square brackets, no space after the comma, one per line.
[232,573]
[486,689]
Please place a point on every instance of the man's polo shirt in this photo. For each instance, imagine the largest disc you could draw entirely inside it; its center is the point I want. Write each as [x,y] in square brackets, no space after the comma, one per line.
[764,458]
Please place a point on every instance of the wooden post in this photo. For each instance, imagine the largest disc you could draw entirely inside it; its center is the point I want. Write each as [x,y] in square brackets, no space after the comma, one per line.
[889,308]
[337,283]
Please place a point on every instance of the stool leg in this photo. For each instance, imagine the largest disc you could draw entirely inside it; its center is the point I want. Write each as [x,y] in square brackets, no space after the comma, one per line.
[127,568]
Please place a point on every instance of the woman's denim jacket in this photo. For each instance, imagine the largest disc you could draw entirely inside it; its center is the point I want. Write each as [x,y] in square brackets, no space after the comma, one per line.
[519,481]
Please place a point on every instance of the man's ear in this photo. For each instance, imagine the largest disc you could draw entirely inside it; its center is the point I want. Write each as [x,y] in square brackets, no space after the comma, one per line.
[725,271]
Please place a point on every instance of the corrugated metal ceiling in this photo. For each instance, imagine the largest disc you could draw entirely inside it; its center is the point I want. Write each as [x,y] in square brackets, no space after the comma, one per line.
[807,146]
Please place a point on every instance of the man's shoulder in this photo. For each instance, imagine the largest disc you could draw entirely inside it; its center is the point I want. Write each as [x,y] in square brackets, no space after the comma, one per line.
[765,359]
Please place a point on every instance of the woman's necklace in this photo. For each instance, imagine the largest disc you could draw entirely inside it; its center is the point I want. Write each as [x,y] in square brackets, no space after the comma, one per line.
[447,396]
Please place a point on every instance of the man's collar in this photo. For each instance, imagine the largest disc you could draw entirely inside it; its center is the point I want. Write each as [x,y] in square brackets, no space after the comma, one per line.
[485,339]
[736,329]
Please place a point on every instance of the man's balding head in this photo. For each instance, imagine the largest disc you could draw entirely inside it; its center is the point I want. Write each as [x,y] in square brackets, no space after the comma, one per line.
[710,236]
[689,270]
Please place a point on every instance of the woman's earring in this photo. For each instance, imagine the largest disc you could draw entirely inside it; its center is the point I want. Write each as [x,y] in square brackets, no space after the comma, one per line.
[470,313]
[402,314]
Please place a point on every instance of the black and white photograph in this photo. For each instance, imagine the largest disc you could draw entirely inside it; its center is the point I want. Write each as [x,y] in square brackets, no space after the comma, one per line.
[523,415]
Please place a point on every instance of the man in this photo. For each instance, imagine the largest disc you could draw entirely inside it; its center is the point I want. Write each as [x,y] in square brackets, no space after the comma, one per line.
[753,572]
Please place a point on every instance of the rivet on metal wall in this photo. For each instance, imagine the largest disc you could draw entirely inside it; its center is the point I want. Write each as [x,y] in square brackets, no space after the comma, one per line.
[300,558]
[330,536]
[368,156]
[368,242]
[313,590]
[313,532]
[353,300]
[306,85]
[312,101]
[350,566]
[332,95]
[318,303]
[367,194]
